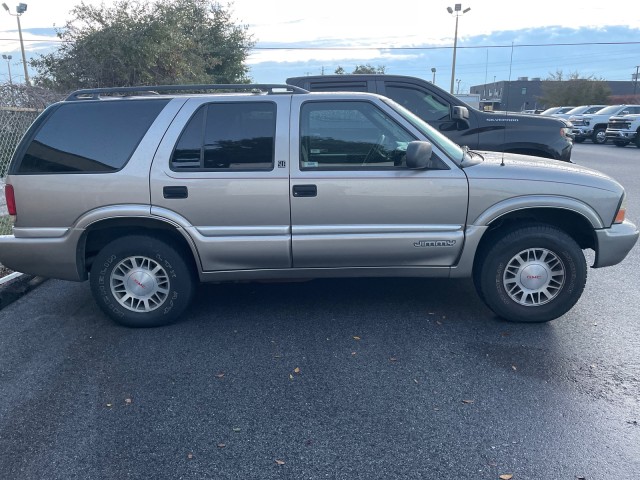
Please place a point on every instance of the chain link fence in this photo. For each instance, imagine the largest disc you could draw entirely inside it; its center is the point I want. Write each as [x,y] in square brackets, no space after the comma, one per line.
[19,107]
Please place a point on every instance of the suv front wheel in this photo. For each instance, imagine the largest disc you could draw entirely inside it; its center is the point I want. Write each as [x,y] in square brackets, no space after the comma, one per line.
[140,281]
[533,273]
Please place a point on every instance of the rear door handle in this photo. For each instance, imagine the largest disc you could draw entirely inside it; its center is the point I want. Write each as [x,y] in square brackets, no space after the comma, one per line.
[175,192]
[305,191]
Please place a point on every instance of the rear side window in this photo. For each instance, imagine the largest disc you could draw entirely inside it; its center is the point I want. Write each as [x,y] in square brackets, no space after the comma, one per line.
[89,137]
[228,136]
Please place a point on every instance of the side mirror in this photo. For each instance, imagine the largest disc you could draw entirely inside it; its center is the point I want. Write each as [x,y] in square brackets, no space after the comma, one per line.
[460,113]
[418,155]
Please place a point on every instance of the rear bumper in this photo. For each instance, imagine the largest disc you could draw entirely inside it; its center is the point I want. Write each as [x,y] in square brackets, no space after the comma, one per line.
[615,243]
[52,257]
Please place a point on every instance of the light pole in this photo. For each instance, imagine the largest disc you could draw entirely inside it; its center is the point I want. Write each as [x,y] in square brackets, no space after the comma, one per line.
[433,71]
[8,59]
[635,85]
[20,9]
[457,11]
[458,89]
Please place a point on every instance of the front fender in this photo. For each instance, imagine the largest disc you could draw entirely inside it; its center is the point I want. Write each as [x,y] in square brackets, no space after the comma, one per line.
[527,202]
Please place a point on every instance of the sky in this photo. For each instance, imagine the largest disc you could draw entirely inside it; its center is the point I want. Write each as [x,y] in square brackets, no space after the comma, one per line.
[501,39]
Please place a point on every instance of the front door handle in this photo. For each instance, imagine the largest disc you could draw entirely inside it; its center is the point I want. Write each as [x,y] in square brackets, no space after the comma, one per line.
[305,191]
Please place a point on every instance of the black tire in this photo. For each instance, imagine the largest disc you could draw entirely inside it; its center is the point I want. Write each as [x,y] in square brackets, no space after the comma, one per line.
[620,143]
[598,137]
[130,264]
[532,273]
[578,140]
[637,140]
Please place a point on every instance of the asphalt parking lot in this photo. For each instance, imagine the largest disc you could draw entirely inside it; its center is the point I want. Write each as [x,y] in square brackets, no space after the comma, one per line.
[337,379]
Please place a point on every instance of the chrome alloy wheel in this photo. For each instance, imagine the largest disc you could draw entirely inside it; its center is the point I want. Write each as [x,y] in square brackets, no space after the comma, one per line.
[139,284]
[533,277]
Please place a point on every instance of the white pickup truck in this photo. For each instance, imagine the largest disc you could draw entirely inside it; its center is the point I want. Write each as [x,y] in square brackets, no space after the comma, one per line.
[594,126]
[623,130]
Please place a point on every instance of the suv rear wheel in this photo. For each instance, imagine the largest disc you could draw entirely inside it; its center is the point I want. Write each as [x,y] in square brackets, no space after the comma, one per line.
[534,273]
[140,281]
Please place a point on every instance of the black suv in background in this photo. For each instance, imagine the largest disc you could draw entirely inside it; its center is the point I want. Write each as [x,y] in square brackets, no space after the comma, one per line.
[501,132]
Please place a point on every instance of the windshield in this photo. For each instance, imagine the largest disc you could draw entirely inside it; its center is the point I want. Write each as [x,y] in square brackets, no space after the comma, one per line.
[610,109]
[453,150]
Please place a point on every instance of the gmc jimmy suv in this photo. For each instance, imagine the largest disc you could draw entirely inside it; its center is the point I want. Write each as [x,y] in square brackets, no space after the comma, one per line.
[145,191]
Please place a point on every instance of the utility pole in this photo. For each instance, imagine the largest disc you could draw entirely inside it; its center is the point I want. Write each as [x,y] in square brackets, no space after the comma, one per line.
[635,85]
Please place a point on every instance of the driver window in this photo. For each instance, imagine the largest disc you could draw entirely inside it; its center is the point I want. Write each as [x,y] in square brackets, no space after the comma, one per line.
[423,104]
[350,135]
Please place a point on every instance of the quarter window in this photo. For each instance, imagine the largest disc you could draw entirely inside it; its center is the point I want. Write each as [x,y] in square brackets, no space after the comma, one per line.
[90,136]
[228,136]
[350,135]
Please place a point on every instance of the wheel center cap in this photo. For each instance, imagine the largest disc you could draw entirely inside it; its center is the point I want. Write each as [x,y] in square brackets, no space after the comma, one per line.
[140,284]
[534,276]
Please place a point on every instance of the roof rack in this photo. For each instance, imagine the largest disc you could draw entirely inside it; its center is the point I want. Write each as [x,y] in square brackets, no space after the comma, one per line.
[96,93]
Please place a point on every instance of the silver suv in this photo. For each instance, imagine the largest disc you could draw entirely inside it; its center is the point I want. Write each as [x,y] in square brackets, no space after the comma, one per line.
[146,192]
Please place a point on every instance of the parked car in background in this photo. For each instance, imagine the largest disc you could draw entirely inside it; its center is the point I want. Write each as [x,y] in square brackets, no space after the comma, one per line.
[593,126]
[553,110]
[581,110]
[622,130]
[499,132]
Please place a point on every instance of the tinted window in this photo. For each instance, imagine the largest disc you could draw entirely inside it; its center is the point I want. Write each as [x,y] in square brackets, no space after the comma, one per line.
[350,135]
[338,87]
[90,136]
[423,104]
[236,136]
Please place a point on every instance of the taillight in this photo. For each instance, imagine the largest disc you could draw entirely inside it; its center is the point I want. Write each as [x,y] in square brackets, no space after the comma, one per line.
[11,199]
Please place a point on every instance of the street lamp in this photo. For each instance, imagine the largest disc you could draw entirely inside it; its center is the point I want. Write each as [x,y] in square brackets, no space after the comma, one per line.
[635,85]
[457,12]
[433,70]
[8,59]
[458,89]
[20,9]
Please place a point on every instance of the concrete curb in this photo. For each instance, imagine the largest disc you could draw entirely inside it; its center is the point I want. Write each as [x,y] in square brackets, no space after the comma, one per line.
[14,287]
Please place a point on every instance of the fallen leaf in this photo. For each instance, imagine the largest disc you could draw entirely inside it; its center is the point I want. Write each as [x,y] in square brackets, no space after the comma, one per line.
[353,353]
[514,368]
[296,370]
[290,377]
[393,359]
[415,380]
[109,405]
[128,401]
[467,401]
[438,322]
[221,445]
[506,476]
[189,455]
[505,334]
[279,462]
[236,429]
[220,375]
[356,338]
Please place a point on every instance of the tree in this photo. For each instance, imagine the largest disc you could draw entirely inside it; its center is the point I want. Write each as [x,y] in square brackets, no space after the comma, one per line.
[559,90]
[362,69]
[138,43]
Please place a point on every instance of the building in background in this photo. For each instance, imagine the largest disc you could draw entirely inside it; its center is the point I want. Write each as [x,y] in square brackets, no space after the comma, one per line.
[526,93]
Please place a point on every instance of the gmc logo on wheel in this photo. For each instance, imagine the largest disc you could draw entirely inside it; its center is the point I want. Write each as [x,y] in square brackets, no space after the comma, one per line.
[534,276]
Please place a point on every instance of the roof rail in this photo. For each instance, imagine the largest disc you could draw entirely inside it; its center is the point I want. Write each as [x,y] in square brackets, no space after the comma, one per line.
[96,93]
